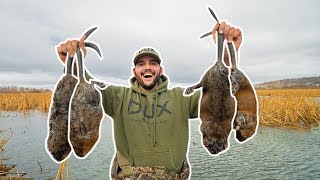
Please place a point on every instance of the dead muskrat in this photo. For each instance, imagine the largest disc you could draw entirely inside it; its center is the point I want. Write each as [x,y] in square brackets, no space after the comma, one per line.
[85,113]
[246,119]
[217,106]
[57,139]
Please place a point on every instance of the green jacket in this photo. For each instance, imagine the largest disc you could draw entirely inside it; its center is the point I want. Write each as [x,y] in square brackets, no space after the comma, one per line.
[151,129]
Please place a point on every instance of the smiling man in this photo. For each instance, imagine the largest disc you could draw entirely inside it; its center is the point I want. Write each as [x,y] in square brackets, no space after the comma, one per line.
[150,122]
[151,127]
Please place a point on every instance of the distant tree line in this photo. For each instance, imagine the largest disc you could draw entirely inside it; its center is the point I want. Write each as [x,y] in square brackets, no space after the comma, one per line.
[17,89]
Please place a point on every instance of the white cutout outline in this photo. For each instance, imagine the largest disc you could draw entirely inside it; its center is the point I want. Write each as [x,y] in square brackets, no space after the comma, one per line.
[233,96]
[169,88]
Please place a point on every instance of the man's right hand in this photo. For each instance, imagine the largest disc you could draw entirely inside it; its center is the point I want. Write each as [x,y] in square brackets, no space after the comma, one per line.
[70,47]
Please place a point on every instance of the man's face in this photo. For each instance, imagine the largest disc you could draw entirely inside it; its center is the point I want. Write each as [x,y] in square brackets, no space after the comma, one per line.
[147,72]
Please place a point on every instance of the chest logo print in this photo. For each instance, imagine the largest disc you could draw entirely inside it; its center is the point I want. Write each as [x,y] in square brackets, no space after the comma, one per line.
[136,107]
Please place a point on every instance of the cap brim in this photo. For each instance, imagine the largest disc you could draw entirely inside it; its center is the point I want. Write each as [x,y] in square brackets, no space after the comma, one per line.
[146,54]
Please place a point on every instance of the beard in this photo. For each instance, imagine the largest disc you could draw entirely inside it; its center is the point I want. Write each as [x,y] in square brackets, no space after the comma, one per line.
[148,87]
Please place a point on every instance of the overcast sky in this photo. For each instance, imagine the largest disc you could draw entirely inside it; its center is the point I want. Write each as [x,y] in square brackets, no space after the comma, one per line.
[281,38]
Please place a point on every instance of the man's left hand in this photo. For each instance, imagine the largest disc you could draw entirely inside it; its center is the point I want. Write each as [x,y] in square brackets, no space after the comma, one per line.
[230,32]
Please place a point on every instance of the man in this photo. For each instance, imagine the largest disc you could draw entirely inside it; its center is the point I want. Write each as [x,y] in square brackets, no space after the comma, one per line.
[150,121]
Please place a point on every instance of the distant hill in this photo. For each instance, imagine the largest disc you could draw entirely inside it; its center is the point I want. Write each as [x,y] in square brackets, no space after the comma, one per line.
[306,82]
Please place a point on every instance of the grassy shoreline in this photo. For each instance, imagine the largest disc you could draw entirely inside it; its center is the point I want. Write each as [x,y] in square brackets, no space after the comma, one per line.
[290,108]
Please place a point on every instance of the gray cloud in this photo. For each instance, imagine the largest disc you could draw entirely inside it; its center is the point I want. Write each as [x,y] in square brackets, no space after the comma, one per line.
[281,38]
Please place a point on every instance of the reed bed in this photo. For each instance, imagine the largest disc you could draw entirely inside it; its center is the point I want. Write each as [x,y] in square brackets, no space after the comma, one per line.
[277,107]
[25,101]
[289,92]
[297,108]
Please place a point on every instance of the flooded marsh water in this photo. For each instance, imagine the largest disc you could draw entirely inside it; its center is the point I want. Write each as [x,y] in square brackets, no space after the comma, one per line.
[274,153]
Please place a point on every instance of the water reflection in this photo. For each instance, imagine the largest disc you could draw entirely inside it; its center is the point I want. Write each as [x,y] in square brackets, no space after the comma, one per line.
[274,153]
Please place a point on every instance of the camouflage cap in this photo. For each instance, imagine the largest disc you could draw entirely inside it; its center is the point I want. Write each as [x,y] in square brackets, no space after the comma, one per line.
[146,52]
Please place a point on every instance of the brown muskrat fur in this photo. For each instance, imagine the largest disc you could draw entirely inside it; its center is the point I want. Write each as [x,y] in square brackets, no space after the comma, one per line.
[217,106]
[57,141]
[85,114]
[246,119]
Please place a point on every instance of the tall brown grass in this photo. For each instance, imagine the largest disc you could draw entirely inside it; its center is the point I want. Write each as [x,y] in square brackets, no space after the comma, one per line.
[281,107]
[25,101]
[289,107]
[60,174]
[289,92]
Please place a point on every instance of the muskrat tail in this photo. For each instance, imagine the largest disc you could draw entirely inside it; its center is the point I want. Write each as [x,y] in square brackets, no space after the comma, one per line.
[81,72]
[69,65]
[220,46]
[232,56]
[80,65]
